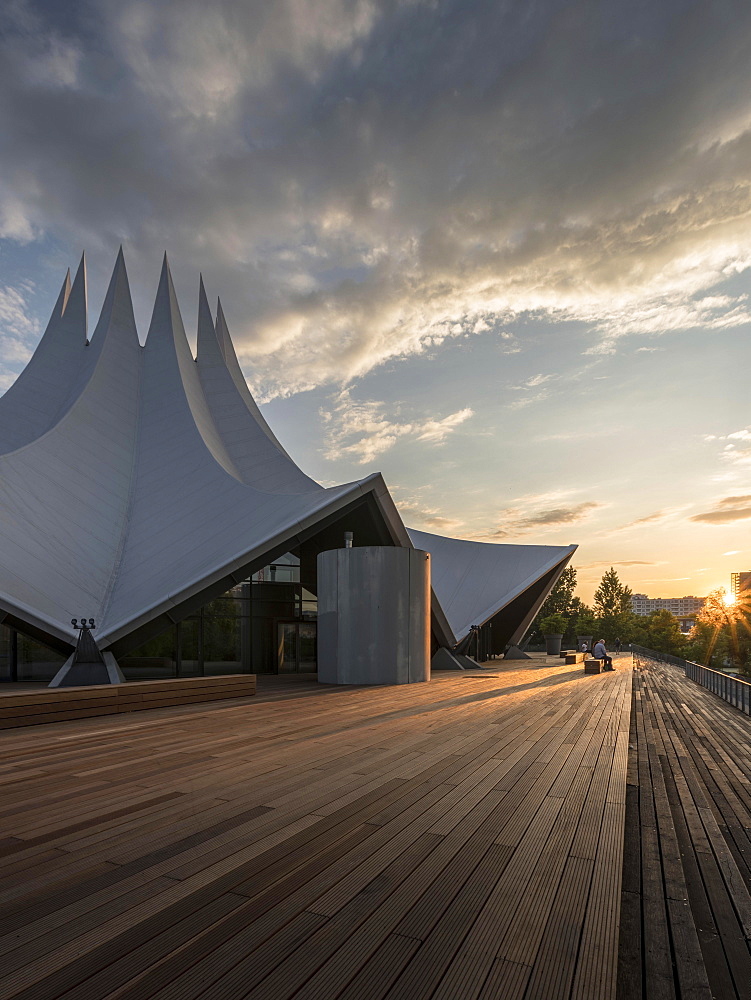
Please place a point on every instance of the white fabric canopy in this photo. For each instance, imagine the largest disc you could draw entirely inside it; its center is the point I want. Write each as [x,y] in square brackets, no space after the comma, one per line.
[474,580]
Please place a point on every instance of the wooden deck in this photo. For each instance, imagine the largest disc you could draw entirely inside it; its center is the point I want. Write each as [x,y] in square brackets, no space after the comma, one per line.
[686,913]
[461,839]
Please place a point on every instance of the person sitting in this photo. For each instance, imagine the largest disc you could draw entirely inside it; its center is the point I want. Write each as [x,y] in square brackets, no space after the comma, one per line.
[584,648]
[600,653]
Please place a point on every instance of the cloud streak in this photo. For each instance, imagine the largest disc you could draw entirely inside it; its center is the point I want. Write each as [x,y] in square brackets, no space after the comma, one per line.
[362,430]
[618,562]
[726,511]
[514,520]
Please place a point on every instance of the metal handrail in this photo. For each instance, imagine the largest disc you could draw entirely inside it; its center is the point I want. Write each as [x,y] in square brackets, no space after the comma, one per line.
[733,690]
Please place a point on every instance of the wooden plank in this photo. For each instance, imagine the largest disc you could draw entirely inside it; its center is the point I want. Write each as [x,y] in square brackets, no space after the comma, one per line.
[693,798]
[404,841]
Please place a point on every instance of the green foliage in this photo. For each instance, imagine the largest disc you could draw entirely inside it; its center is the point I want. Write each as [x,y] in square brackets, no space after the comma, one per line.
[585,622]
[722,633]
[611,618]
[560,601]
[624,625]
[562,595]
[663,634]
[612,597]
[161,646]
[554,625]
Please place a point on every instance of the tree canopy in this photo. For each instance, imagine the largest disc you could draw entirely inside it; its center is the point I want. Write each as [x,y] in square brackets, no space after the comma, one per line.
[612,597]
[610,618]
[722,634]
[559,602]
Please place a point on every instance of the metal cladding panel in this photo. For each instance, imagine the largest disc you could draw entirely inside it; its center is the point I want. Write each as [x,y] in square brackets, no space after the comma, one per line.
[474,580]
[419,597]
[374,616]
[328,632]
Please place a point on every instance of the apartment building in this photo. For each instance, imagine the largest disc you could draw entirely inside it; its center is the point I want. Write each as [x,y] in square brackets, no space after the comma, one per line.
[740,582]
[677,606]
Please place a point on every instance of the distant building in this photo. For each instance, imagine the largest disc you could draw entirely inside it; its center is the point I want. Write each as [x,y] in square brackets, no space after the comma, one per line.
[740,582]
[677,606]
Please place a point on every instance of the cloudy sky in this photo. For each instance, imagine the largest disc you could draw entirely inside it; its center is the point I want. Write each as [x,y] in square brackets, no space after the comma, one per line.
[499,251]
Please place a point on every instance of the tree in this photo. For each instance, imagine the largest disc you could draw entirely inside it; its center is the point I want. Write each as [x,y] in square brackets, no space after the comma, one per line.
[722,634]
[585,622]
[663,634]
[560,601]
[561,597]
[612,597]
[614,616]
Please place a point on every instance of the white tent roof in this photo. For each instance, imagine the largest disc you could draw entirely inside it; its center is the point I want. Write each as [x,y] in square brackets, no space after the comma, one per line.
[474,580]
[132,477]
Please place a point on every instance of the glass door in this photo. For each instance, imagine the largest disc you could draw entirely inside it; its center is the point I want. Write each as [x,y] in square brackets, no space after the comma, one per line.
[297,647]
[307,661]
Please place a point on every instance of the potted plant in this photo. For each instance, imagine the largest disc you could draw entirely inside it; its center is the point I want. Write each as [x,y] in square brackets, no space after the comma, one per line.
[553,628]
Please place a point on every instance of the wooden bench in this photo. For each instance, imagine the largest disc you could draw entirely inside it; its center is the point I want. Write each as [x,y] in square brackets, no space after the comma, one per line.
[574,657]
[33,708]
[566,652]
[592,666]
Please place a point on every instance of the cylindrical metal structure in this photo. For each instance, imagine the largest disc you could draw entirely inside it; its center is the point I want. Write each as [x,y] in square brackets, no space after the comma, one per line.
[373,615]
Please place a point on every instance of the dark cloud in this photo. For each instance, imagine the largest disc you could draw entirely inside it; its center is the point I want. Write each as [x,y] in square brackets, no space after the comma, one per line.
[561,515]
[544,518]
[361,180]
[727,510]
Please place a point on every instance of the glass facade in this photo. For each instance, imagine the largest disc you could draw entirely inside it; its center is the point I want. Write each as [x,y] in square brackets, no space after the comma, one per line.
[265,625]
[25,660]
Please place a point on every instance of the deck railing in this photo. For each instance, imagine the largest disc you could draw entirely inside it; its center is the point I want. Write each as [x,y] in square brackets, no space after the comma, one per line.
[731,689]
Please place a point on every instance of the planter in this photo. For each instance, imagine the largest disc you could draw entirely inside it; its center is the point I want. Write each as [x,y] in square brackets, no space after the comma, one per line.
[589,639]
[553,644]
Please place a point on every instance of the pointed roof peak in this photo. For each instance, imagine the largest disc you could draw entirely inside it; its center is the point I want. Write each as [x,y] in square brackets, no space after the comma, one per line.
[117,310]
[209,345]
[225,341]
[203,302]
[166,320]
[222,331]
[75,308]
[120,271]
[62,298]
